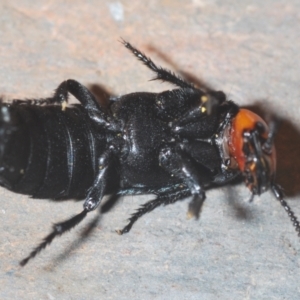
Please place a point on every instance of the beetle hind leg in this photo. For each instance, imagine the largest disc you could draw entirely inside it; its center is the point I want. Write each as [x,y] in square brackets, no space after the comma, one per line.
[93,199]
[58,229]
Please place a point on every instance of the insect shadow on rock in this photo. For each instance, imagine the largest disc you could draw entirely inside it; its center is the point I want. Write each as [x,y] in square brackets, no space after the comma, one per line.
[174,144]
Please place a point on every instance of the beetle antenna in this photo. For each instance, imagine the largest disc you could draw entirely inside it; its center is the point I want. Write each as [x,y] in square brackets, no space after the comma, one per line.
[277,190]
[161,74]
[58,229]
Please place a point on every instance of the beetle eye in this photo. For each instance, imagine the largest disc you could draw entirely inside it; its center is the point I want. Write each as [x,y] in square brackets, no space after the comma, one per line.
[260,128]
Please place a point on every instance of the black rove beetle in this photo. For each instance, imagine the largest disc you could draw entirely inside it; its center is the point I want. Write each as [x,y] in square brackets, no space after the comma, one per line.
[173,144]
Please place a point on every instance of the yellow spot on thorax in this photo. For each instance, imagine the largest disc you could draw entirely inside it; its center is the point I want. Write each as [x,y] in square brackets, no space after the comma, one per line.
[64,105]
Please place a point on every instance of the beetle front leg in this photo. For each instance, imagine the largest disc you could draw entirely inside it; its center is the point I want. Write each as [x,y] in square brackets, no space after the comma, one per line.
[195,206]
[178,164]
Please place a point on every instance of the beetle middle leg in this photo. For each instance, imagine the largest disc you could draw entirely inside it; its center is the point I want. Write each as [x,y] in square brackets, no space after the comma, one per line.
[177,164]
[170,197]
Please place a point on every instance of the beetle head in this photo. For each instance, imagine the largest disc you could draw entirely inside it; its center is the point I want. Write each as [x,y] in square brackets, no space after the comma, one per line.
[260,159]
[252,147]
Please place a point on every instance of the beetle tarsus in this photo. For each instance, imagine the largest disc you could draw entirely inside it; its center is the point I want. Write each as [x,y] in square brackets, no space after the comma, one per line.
[195,206]
[169,197]
[161,74]
[58,229]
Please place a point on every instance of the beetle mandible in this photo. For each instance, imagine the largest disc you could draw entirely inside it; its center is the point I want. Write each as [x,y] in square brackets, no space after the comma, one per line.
[174,144]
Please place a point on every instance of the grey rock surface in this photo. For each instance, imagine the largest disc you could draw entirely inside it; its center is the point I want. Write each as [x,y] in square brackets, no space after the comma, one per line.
[237,250]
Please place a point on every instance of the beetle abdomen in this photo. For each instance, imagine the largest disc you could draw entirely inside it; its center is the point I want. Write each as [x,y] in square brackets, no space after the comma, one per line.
[48,152]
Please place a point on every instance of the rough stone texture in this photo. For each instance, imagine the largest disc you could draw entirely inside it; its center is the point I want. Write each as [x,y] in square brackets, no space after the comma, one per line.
[237,250]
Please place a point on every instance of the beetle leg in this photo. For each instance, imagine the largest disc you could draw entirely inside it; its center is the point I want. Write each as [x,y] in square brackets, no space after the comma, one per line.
[195,206]
[162,199]
[33,101]
[97,191]
[161,74]
[178,164]
[92,201]
[83,95]
[86,98]
[58,229]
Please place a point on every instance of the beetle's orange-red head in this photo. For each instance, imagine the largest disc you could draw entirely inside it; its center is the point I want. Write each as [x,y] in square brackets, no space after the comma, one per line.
[251,145]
